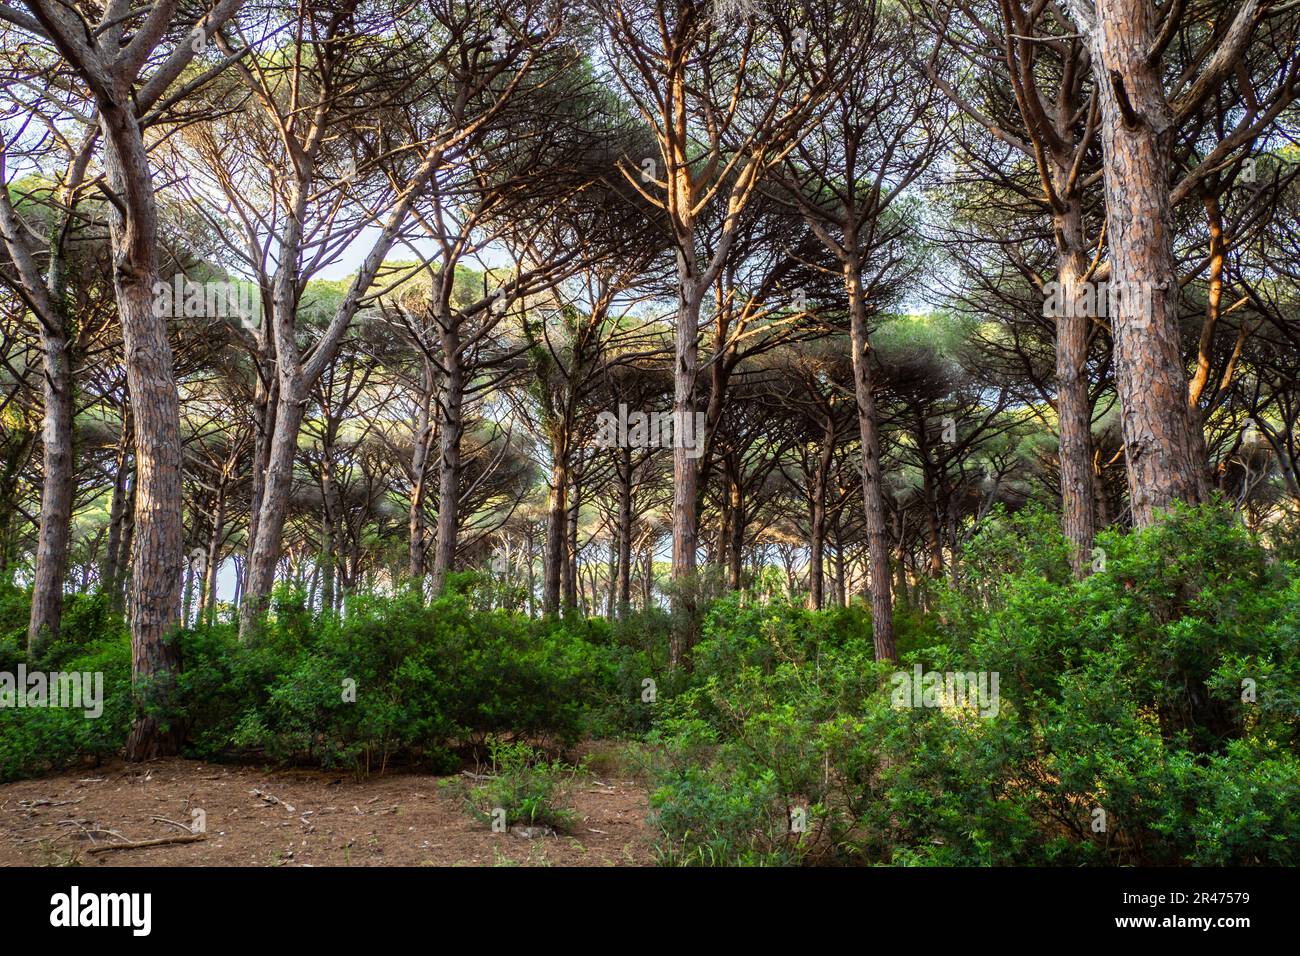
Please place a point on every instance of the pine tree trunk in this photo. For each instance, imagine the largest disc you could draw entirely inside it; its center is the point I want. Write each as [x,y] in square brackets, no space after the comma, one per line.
[266,551]
[556,521]
[873,495]
[451,427]
[56,491]
[624,589]
[685,473]
[1073,405]
[416,525]
[157,557]
[736,544]
[1163,465]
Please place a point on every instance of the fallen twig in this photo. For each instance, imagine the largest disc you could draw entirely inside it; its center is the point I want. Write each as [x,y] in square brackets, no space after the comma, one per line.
[161,841]
[270,799]
[179,826]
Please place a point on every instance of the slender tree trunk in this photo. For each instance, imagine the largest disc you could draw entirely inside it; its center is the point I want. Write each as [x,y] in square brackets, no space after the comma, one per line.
[841,600]
[934,537]
[873,495]
[1163,465]
[157,557]
[532,583]
[265,401]
[266,550]
[816,544]
[556,520]
[736,544]
[416,525]
[209,603]
[570,577]
[122,562]
[187,596]
[1073,405]
[624,587]
[451,427]
[56,490]
[685,474]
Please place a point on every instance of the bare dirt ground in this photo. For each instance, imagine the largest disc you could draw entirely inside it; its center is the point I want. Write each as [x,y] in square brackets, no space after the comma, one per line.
[296,818]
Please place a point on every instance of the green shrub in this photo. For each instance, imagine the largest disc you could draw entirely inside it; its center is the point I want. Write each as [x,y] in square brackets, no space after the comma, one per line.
[531,790]
[1148,715]
[38,740]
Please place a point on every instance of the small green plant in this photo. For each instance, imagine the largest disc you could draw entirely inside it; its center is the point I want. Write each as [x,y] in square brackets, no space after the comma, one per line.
[524,789]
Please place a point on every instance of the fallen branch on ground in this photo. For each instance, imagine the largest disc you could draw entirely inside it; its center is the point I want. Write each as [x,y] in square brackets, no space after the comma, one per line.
[161,841]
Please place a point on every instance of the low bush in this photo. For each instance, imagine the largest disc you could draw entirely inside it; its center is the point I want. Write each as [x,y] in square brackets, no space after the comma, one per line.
[524,789]
[1146,715]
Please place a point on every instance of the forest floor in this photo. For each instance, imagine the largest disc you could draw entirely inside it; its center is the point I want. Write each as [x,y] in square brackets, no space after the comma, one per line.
[276,817]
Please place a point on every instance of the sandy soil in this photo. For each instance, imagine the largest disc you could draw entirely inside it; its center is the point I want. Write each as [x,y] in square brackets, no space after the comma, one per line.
[296,818]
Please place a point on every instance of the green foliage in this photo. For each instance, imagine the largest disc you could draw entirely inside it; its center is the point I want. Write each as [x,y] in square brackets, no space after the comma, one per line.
[1125,731]
[394,676]
[1148,714]
[532,790]
[38,740]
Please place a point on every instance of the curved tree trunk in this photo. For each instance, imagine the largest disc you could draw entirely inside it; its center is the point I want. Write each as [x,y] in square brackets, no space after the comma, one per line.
[156,559]
[265,553]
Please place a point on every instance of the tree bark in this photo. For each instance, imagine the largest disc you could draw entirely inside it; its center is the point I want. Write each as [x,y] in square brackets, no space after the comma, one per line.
[553,560]
[1073,405]
[423,438]
[623,595]
[56,489]
[817,520]
[685,472]
[276,485]
[451,427]
[1160,448]
[157,558]
[873,495]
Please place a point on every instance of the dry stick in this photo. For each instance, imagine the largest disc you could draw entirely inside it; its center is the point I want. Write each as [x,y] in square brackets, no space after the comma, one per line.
[179,826]
[162,841]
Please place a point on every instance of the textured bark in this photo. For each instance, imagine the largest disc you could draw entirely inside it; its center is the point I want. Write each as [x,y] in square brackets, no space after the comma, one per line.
[276,485]
[623,591]
[1161,449]
[417,531]
[56,489]
[685,472]
[556,521]
[156,557]
[1073,404]
[451,427]
[873,495]
[817,521]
